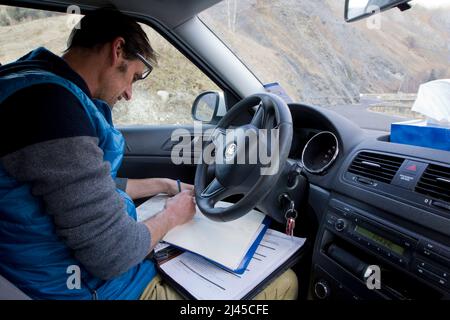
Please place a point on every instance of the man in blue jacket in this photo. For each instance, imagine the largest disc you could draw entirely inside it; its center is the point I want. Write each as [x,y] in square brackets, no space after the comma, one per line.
[61,206]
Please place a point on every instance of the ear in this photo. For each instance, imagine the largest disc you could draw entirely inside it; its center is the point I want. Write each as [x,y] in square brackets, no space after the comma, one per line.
[117,50]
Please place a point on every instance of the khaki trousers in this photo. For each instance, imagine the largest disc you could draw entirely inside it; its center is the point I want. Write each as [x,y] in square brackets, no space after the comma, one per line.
[285,287]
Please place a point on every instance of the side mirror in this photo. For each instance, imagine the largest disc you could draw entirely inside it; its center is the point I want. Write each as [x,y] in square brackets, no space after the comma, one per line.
[358,9]
[209,107]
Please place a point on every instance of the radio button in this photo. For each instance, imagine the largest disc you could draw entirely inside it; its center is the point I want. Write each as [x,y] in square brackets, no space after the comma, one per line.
[346,212]
[340,225]
[429,267]
[435,256]
[431,276]
[420,271]
[429,248]
[409,243]
[396,259]
[322,290]
[342,207]
[331,219]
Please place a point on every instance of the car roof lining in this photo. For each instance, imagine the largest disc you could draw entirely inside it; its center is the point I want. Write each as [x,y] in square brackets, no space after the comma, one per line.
[171,13]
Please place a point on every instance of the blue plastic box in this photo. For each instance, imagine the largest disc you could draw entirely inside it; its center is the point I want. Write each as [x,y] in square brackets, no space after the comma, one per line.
[420,133]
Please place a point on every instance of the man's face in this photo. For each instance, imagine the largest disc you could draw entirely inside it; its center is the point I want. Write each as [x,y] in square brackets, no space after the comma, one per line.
[119,79]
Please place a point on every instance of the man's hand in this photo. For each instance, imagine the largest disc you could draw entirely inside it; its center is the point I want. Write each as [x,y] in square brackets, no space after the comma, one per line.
[178,210]
[172,187]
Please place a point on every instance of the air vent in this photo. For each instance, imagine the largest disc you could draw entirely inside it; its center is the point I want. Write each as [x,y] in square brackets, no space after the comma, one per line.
[435,182]
[376,166]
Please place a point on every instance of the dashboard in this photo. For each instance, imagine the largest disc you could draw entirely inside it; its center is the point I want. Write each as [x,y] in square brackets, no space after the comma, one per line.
[383,210]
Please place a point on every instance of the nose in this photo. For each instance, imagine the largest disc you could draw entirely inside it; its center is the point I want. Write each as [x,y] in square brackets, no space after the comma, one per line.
[128,93]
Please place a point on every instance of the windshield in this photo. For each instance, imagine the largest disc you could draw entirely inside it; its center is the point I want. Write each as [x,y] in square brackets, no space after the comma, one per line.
[376,63]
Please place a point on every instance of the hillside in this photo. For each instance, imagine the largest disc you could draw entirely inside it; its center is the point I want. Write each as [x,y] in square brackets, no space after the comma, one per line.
[304,45]
[310,50]
[146,107]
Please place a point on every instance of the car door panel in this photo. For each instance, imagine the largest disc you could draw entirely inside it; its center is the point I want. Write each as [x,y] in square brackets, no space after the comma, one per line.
[148,152]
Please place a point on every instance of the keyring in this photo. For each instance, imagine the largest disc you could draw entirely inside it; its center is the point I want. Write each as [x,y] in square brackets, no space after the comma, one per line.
[288,216]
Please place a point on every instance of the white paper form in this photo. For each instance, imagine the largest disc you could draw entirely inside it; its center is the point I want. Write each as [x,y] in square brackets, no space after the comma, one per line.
[223,242]
[205,280]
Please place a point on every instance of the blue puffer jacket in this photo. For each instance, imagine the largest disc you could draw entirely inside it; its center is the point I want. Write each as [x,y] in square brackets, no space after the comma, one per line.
[40,270]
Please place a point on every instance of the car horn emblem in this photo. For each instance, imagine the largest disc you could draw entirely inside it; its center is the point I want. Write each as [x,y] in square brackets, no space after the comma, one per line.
[230,151]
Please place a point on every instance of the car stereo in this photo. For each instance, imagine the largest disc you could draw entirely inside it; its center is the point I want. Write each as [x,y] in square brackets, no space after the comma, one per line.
[393,245]
[410,253]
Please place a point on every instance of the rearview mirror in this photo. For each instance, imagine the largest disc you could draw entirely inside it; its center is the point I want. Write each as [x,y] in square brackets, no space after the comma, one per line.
[358,9]
[209,107]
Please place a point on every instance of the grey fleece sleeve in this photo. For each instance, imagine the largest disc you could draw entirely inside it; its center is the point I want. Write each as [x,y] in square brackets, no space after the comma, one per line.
[75,184]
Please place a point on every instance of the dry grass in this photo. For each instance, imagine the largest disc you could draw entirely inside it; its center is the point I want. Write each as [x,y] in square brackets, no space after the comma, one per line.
[175,74]
[304,45]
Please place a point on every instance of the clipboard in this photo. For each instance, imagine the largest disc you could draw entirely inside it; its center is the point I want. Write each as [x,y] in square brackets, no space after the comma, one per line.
[292,261]
[248,256]
[251,294]
[229,244]
[293,258]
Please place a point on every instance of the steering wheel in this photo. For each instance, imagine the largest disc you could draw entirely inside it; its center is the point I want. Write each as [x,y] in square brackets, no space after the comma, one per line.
[235,170]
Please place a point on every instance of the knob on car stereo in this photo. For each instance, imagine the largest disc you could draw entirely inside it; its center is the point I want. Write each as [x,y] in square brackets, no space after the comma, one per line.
[340,225]
[321,289]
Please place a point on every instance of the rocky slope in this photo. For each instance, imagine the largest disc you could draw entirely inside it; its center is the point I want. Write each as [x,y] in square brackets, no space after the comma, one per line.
[303,44]
[310,50]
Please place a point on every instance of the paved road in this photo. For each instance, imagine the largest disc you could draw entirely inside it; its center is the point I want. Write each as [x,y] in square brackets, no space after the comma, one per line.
[365,118]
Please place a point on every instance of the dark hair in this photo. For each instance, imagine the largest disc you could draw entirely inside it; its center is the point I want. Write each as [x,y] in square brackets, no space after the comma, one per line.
[104,25]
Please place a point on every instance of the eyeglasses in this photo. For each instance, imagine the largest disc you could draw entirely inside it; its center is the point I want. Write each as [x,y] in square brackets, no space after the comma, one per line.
[147,64]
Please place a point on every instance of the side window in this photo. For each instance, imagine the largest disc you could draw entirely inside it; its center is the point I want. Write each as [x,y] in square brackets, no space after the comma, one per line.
[167,95]
[23,30]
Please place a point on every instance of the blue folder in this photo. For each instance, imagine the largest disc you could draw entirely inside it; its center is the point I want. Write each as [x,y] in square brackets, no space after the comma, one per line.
[248,256]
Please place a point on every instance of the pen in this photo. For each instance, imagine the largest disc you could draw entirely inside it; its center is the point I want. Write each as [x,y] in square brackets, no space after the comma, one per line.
[179,185]
[165,253]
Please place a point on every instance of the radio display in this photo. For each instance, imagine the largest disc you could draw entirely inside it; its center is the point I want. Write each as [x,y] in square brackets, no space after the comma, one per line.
[380,240]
